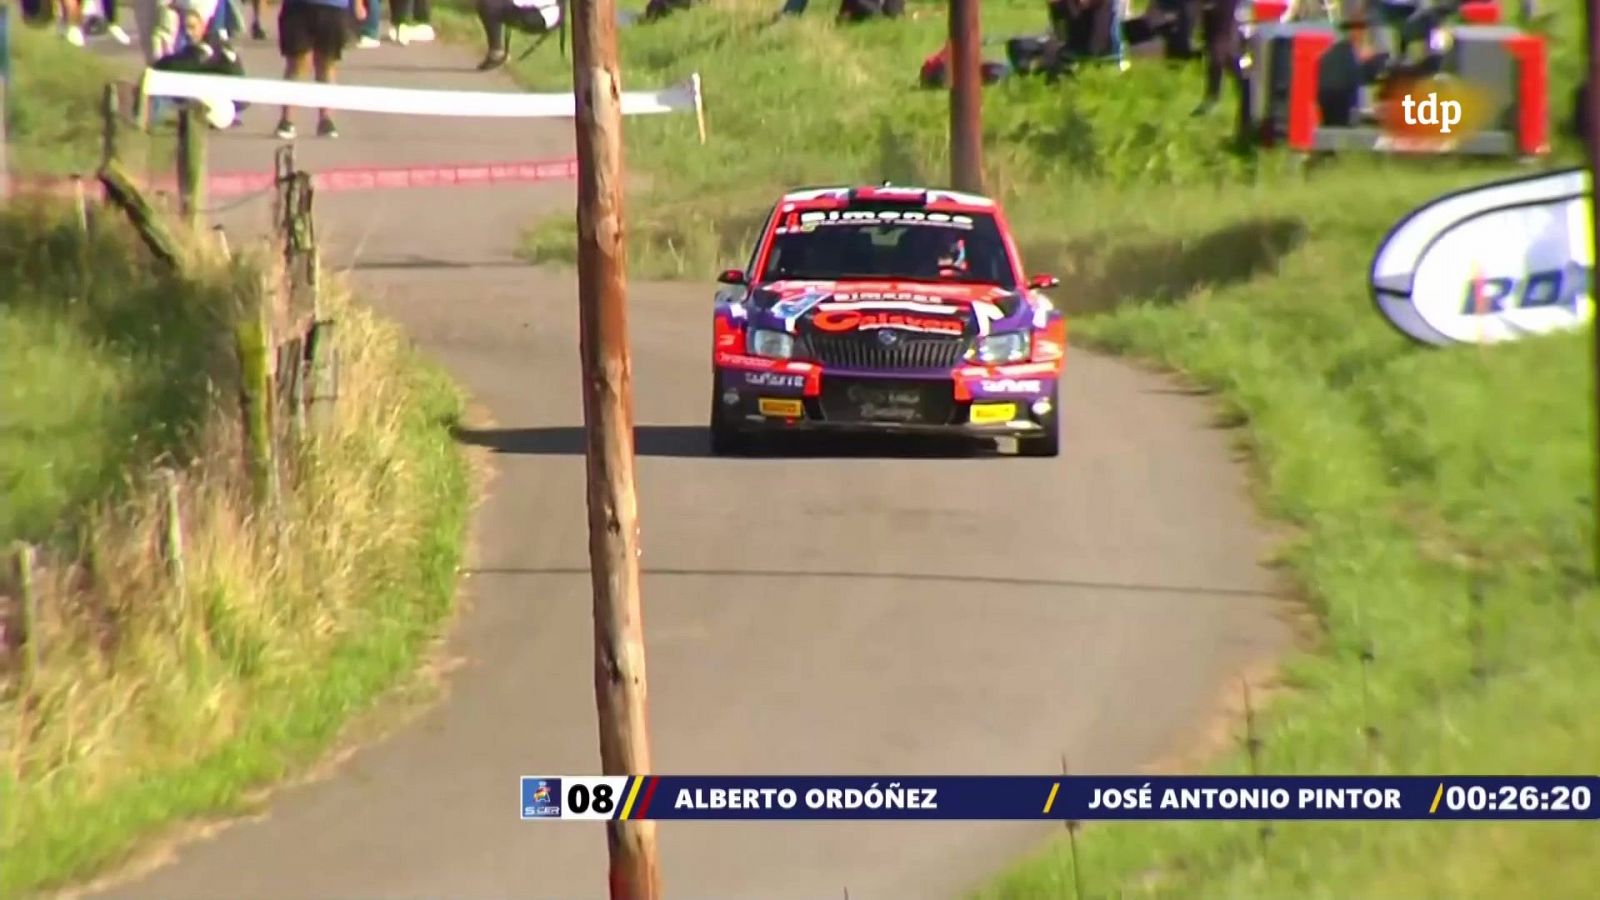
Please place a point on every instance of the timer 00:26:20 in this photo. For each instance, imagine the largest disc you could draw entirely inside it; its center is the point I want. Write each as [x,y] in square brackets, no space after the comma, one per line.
[1477,798]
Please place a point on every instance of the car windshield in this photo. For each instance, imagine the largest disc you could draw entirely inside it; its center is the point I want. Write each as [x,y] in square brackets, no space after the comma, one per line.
[889,243]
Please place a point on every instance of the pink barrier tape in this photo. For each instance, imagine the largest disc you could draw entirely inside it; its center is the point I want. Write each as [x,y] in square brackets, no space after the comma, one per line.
[365,178]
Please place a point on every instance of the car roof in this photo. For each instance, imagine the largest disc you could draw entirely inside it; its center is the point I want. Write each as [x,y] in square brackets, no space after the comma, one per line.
[840,195]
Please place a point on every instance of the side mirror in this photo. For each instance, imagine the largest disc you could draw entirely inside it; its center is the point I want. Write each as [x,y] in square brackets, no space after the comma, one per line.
[1043,282]
[731,276]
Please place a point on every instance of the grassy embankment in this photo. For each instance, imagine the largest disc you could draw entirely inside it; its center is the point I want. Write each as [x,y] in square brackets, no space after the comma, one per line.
[155,696]
[1414,479]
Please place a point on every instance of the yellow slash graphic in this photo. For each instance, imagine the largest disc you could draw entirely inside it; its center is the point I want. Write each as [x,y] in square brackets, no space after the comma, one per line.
[1051,800]
[1436,795]
[631,791]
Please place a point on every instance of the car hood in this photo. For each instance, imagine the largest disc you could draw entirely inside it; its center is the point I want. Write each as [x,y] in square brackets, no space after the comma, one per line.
[911,305]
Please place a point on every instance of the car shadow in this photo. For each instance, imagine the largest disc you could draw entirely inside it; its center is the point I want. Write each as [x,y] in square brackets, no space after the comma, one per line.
[694,441]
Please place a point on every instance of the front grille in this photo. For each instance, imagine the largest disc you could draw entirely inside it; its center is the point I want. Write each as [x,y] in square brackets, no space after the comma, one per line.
[888,401]
[863,350]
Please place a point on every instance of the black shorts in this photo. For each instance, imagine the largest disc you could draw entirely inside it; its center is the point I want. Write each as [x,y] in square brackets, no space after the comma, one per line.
[314,28]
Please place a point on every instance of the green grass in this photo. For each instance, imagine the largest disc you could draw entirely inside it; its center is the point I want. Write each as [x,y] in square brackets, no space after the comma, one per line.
[53,118]
[105,369]
[1413,479]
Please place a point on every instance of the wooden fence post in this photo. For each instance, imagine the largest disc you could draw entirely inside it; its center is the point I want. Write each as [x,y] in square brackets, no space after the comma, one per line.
[322,355]
[253,344]
[23,558]
[191,162]
[172,533]
[109,113]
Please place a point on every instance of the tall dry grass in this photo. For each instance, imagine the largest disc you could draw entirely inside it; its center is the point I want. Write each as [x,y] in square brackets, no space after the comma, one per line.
[191,645]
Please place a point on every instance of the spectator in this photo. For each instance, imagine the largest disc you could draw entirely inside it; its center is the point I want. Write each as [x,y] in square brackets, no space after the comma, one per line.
[313,34]
[100,18]
[257,33]
[1220,26]
[500,17]
[411,21]
[194,46]
[72,22]
[371,26]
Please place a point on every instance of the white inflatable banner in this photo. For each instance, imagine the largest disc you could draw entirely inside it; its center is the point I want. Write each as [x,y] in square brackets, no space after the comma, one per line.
[404,101]
[1492,263]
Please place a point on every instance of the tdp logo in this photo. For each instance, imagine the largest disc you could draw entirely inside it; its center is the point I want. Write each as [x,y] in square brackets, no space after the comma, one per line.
[1430,110]
[1543,289]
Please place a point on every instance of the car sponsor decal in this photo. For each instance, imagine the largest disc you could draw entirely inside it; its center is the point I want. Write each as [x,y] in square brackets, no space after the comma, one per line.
[985,313]
[1011,386]
[792,308]
[774,379]
[855,320]
[740,361]
[781,409]
[893,300]
[990,413]
[886,404]
[871,216]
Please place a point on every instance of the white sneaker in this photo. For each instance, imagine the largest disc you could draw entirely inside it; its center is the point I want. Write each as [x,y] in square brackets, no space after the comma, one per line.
[74,36]
[402,34]
[422,33]
[368,43]
[118,35]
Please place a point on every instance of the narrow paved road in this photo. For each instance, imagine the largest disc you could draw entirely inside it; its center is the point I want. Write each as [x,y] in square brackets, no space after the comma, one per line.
[858,614]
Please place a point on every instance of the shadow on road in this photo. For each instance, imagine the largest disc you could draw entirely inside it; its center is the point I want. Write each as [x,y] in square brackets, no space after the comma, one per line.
[1074,583]
[380,265]
[693,441]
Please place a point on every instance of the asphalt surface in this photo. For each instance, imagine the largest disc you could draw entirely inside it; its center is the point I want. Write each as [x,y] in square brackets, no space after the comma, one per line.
[844,611]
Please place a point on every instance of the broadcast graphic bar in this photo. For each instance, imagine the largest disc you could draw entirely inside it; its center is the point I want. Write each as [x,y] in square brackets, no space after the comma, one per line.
[669,797]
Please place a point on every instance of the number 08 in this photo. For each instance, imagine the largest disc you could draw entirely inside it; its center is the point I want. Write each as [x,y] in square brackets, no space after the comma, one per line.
[579,799]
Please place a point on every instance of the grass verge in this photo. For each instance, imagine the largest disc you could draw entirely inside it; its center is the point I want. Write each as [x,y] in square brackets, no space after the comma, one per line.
[161,692]
[1441,500]
[53,118]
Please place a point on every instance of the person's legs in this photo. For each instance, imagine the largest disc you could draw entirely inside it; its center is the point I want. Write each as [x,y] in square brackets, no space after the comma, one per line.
[327,73]
[72,22]
[371,26]
[491,15]
[109,9]
[330,34]
[296,40]
[147,19]
[400,12]
[257,32]
[422,20]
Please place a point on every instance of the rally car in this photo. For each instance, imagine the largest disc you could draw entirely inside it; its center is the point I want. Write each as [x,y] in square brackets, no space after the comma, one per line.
[890,309]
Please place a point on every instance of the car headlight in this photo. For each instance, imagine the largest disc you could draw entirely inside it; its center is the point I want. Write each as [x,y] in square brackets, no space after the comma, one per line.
[1001,348]
[772,344]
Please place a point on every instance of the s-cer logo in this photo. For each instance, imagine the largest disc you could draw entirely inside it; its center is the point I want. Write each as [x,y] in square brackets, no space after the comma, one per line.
[541,798]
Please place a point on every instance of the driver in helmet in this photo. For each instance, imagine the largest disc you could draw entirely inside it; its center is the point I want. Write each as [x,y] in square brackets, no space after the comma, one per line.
[953,257]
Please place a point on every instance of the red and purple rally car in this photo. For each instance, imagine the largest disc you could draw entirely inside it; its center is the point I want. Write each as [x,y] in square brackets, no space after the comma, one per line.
[886,309]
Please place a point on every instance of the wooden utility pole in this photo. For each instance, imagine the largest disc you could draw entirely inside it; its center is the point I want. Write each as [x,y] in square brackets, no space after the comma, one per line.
[619,669]
[1591,139]
[966,98]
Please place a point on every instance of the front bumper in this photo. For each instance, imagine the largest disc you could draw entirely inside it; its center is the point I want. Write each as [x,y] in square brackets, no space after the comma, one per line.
[886,403]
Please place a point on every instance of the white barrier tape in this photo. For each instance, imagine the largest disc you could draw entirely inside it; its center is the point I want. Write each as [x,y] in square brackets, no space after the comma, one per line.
[405,101]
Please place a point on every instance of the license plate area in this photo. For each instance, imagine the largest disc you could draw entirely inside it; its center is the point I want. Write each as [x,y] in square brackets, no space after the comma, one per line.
[888,401]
